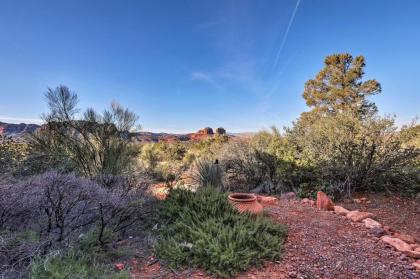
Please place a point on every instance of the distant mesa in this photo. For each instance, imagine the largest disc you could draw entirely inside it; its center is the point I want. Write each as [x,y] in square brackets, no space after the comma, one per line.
[20,130]
[201,134]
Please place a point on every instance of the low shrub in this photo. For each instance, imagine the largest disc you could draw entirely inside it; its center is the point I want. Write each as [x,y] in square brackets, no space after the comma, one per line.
[17,250]
[72,264]
[204,230]
[58,208]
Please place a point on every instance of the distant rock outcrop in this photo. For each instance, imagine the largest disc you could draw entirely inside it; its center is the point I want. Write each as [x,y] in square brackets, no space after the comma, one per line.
[17,130]
[20,130]
[206,131]
[220,131]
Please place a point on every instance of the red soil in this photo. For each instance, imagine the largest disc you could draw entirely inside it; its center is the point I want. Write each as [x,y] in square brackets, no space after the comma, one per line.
[325,245]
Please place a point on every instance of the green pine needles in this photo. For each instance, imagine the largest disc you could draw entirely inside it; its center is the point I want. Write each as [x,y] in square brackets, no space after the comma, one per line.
[203,230]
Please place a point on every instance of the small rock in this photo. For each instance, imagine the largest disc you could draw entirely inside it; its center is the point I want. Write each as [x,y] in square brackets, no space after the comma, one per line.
[340,210]
[412,254]
[398,244]
[307,201]
[292,274]
[378,232]
[119,266]
[370,223]
[267,200]
[405,237]
[323,202]
[357,216]
[416,264]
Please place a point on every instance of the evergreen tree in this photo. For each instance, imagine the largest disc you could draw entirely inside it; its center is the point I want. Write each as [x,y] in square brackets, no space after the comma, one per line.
[339,87]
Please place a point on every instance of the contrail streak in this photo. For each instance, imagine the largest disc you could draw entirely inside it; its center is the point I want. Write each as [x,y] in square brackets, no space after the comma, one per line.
[283,42]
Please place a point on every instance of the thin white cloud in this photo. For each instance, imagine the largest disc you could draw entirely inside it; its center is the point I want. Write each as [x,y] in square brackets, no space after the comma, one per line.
[18,120]
[200,76]
[283,41]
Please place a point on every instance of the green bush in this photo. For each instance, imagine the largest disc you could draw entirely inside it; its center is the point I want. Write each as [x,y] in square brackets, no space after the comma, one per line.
[204,230]
[72,264]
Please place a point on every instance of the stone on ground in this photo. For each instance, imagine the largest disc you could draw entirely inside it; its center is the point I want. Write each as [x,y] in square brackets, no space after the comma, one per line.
[357,216]
[412,254]
[370,223]
[323,202]
[308,202]
[405,237]
[417,265]
[378,232]
[340,210]
[398,244]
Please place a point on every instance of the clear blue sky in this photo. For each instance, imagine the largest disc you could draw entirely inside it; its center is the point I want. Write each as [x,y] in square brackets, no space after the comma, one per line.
[183,65]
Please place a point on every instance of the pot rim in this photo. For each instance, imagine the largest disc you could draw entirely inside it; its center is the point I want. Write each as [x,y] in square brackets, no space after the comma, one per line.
[242,197]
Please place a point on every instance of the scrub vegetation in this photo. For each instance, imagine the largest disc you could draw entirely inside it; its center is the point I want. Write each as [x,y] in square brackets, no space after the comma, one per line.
[78,185]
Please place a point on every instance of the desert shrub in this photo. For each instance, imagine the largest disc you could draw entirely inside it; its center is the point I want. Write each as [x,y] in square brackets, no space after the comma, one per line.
[204,230]
[245,166]
[59,207]
[349,153]
[13,154]
[17,251]
[96,144]
[208,148]
[206,173]
[149,157]
[72,263]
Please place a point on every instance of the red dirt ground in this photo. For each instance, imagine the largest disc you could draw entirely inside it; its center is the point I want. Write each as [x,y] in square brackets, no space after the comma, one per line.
[324,245]
[401,214]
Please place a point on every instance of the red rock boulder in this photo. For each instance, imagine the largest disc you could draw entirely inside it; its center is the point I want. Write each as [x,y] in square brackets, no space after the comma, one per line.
[340,210]
[405,237]
[398,244]
[323,202]
[357,216]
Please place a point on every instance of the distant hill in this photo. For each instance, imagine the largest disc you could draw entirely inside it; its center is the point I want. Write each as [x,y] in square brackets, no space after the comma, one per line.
[17,130]
[22,129]
[168,137]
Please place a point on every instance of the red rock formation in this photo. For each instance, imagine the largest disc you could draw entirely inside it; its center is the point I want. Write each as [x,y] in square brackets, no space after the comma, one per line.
[323,202]
[206,131]
[220,131]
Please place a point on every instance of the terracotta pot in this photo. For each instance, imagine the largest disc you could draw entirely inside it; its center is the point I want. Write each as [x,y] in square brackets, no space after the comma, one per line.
[246,203]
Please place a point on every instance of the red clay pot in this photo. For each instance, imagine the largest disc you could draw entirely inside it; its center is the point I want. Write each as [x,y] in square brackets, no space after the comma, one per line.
[244,202]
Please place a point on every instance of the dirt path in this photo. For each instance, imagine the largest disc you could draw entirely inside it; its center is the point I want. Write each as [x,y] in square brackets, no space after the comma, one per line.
[320,245]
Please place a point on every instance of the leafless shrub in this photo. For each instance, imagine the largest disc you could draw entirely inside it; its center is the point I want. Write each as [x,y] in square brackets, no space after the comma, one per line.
[17,250]
[58,208]
[246,167]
